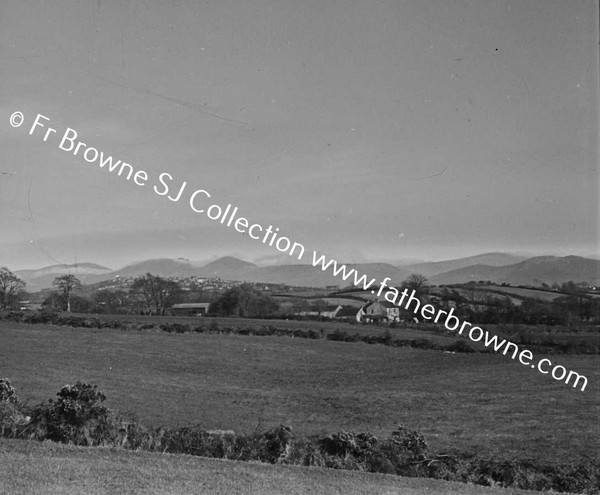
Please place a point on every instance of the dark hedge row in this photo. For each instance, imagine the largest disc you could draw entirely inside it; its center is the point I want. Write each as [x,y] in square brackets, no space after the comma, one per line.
[78,416]
[212,326]
[386,338]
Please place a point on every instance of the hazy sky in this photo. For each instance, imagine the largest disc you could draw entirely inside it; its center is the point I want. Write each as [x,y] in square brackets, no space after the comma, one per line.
[379,130]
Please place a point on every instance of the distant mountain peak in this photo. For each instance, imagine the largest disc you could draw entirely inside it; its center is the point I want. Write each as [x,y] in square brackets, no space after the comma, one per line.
[229,261]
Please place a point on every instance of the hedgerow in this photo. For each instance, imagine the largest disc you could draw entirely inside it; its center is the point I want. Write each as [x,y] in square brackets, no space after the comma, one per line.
[78,416]
[338,335]
[543,346]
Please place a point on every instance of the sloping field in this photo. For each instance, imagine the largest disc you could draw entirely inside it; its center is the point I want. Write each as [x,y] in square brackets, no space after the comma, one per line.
[517,293]
[544,295]
[45,467]
[483,403]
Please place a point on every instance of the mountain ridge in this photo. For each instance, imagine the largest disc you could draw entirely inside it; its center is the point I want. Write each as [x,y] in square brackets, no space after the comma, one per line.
[491,259]
[532,271]
[527,271]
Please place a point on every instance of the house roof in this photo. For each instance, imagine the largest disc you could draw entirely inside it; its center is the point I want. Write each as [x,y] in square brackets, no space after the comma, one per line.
[190,306]
[347,311]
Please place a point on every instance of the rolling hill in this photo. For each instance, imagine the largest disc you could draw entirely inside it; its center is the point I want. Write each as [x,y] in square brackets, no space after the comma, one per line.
[227,268]
[489,259]
[164,267]
[533,271]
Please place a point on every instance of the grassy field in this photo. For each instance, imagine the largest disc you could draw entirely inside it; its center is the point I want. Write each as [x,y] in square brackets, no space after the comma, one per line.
[36,467]
[480,402]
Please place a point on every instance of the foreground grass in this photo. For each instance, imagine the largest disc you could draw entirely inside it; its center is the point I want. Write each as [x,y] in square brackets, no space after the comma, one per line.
[478,402]
[34,467]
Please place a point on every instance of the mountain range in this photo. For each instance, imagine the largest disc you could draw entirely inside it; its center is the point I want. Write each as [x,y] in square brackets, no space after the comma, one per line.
[532,271]
[496,267]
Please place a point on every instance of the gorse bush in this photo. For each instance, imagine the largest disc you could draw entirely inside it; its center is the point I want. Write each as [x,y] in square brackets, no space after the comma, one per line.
[77,416]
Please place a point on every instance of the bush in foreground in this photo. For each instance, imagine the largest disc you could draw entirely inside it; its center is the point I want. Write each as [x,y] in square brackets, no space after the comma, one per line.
[77,416]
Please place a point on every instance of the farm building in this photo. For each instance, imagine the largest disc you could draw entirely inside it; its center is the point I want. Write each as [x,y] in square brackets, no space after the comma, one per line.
[379,311]
[348,313]
[189,309]
[329,311]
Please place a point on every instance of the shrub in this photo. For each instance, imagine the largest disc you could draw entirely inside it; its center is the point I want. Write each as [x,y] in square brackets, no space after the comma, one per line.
[7,392]
[337,335]
[194,440]
[12,419]
[363,451]
[11,415]
[78,416]
[174,327]
[423,344]
[275,444]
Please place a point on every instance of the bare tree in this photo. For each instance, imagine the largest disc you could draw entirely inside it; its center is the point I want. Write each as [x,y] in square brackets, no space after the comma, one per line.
[11,287]
[157,293]
[416,282]
[67,284]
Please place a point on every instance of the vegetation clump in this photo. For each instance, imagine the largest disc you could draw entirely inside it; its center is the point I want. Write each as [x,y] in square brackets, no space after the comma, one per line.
[12,417]
[77,416]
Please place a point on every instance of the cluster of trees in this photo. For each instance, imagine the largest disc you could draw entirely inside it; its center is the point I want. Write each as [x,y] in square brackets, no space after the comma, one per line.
[244,301]
[151,294]
[482,307]
[157,293]
[148,294]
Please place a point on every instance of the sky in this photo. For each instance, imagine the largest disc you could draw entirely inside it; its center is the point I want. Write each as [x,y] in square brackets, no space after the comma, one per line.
[370,131]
